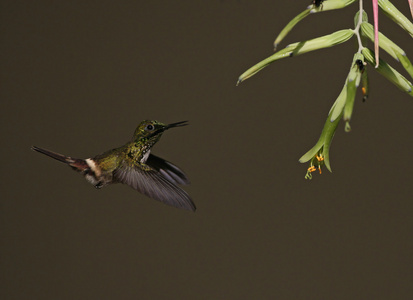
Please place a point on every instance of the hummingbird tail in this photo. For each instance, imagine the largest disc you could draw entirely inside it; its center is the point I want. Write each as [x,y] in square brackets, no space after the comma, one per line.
[77,164]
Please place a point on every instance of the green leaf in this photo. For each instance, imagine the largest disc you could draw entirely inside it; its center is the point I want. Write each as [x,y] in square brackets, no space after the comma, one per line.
[290,26]
[331,4]
[387,71]
[324,143]
[351,95]
[407,65]
[338,105]
[312,152]
[354,69]
[321,42]
[353,79]
[390,47]
[356,18]
[300,48]
[325,6]
[393,13]
[384,42]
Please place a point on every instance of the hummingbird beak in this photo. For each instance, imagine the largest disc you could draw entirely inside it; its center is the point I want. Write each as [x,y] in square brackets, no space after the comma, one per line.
[166,127]
[178,124]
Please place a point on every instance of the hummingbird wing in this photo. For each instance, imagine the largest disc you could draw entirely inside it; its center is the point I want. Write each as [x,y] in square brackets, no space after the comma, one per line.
[167,170]
[154,185]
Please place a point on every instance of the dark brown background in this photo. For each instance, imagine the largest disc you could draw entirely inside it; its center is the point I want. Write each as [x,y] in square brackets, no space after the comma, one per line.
[78,76]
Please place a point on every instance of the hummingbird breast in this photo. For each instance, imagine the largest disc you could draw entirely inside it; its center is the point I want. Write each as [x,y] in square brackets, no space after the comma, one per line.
[145,156]
[137,153]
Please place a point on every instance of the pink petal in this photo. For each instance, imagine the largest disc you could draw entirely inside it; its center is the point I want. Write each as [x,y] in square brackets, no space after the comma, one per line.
[411,6]
[376,30]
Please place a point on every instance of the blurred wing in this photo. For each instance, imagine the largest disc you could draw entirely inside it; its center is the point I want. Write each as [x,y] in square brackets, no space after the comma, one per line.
[167,170]
[152,184]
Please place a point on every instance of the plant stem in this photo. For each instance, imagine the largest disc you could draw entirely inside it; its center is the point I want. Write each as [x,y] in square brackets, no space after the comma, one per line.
[357,29]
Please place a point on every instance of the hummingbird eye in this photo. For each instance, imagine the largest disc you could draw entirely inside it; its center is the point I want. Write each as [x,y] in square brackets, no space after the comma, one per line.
[149,127]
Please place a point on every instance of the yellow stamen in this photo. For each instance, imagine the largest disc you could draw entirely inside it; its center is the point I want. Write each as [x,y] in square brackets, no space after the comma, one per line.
[320,159]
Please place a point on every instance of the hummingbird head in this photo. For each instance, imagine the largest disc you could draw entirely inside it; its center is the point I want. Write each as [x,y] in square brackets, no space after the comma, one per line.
[151,131]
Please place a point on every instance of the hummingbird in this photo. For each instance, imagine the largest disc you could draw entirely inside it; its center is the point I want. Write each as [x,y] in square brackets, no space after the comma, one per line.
[134,165]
